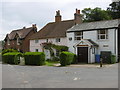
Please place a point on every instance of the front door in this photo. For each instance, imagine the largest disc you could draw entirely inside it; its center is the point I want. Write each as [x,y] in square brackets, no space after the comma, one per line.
[82,54]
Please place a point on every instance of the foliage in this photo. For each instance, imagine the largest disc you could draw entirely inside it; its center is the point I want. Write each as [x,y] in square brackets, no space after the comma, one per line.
[114,10]
[34,58]
[113,59]
[55,59]
[17,58]
[10,57]
[51,46]
[66,58]
[95,14]
[8,50]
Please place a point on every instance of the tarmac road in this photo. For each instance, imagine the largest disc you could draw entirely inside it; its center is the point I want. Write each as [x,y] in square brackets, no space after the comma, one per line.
[14,76]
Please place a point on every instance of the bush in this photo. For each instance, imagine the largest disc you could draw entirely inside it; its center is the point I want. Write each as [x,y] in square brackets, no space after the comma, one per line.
[8,50]
[55,59]
[113,59]
[75,61]
[34,58]
[66,58]
[10,57]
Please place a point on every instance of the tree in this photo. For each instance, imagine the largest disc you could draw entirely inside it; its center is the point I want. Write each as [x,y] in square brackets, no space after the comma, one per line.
[95,14]
[114,10]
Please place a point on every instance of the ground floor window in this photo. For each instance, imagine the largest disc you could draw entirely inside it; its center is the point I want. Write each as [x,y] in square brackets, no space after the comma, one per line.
[36,50]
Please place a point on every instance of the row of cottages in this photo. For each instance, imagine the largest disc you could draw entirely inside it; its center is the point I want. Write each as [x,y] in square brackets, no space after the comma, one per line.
[88,39]
[53,32]
[19,39]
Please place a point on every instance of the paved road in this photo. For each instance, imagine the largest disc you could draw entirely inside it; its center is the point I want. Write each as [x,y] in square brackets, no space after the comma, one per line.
[59,77]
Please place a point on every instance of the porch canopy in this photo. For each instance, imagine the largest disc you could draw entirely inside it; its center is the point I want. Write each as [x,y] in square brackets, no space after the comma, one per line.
[86,43]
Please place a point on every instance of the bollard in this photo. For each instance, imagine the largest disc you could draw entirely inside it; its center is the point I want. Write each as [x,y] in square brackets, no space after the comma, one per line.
[101,62]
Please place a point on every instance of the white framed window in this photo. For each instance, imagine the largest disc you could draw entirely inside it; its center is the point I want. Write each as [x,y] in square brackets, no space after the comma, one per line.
[57,39]
[102,34]
[78,35]
[36,41]
[36,50]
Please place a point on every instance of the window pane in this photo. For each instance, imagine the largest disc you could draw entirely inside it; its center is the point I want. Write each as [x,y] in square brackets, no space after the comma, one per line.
[102,37]
[102,31]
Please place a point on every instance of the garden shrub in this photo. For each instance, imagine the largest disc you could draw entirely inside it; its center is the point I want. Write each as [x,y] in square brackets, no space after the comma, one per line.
[10,57]
[113,59]
[66,58]
[34,58]
[75,61]
[8,50]
[55,59]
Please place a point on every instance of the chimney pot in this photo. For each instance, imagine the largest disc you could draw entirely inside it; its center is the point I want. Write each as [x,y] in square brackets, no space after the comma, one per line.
[58,16]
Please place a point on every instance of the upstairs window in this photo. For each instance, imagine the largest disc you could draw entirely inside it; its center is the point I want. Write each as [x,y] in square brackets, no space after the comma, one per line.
[102,34]
[46,40]
[78,35]
[36,41]
[57,39]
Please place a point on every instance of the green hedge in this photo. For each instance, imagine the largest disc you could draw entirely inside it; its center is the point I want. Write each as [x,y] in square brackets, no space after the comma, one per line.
[8,50]
[66,58]
[34,58]
[113,59]
[11,57]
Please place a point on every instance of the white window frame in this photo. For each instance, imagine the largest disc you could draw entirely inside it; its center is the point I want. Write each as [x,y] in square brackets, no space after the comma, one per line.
[58,40]
[36,41]
[105,34]
[78,36]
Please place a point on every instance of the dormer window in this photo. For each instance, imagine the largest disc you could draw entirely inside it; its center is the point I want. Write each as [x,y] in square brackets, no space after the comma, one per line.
[78,35]
[102,34]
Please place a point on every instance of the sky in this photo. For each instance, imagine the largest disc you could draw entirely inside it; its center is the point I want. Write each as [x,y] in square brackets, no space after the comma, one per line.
[15,14]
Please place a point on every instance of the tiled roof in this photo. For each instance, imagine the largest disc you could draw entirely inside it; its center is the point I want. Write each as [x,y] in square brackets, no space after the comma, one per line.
[96,25]
[21,32]
[54,30]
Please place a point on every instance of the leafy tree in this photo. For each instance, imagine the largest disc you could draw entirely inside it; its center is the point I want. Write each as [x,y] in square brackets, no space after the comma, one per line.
[95,14]
[114,10]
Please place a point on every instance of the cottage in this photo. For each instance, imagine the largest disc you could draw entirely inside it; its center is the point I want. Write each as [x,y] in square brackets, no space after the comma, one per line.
[92,38]
[19,39]
[53,32]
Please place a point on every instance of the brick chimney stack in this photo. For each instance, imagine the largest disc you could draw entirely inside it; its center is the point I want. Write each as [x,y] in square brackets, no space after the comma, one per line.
[58,16]
[77,17]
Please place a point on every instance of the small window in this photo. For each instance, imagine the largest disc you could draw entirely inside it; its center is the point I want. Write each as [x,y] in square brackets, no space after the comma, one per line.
[36,41]
[46,40]
[70,39]
[57,39]
[78,35]
[36,50]
[102,34]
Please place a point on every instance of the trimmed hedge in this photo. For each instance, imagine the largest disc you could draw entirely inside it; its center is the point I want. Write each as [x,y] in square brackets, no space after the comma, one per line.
[113,59]
[34,58]
[11,57]
[66,58]
[8,50]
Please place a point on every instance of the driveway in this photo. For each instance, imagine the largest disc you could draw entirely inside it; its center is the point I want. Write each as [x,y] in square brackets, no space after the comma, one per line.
[15,76]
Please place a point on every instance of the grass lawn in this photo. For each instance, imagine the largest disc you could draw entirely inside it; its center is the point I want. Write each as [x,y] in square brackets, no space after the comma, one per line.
[51,63]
